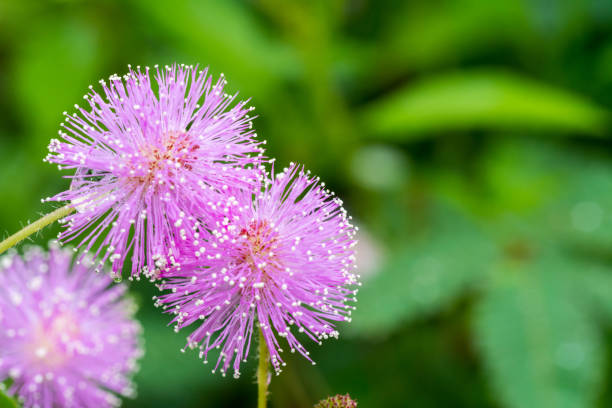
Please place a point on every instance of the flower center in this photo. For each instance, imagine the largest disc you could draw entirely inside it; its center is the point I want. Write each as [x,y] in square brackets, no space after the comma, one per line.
[50,342]
[161,163]
[260,242]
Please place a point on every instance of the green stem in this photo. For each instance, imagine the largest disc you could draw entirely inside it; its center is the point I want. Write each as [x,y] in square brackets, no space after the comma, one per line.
[262,372]
[35,227]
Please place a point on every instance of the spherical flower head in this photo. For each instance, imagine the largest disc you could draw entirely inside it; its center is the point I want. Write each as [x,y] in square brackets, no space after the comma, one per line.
[67,339]
[337,401]
[278,258]
[148,157]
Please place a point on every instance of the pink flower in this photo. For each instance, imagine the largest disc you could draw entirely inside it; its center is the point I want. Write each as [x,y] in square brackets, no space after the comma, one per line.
[67,338]
[148,158]
[279,258]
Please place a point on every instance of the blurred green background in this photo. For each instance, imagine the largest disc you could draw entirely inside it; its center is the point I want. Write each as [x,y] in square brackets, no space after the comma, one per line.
[469,139]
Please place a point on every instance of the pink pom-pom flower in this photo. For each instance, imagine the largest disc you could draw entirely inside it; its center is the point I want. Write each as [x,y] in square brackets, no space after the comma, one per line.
[67,337]
[148,156]
[279,259]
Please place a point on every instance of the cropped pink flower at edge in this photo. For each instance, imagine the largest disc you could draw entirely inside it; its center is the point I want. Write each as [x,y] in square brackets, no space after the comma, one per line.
[280,257]
[68,338]
[148,161]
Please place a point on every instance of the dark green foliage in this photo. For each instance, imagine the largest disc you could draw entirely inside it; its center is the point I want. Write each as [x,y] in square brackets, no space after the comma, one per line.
[450,257]
[539,343]
[470,140]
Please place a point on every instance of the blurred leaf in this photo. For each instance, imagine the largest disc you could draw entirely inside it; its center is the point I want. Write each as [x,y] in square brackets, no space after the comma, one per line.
[429,34]
[21,192]
[44,84]
[565,194]
[167,376]
[425,365]
[480,99]
[424,276]
[6,401]
[539,345]
[522,176]
[380,167]
[226,37]
[582,212]
[421,35]
[595,288]
[164,369]
[514,176]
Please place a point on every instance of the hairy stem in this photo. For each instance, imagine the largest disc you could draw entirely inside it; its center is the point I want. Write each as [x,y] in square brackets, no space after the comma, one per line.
[262,372]
[35,227]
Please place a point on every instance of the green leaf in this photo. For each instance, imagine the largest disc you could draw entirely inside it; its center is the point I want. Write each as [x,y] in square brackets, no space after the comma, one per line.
[594,286]
[582,213]
[424,35]
[6,401]
[423,276]
[380,168]
[481,99]
[564,194]
[44,84]
[224,36]
[538,343]
[165,371]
